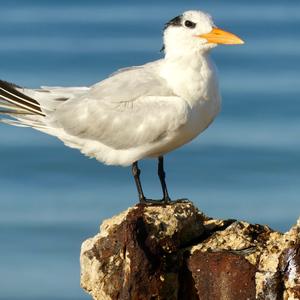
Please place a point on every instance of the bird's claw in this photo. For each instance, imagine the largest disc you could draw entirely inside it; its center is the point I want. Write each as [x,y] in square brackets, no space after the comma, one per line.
[163,201]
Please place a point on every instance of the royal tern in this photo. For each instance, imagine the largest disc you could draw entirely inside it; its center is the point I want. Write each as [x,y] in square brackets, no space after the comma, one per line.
[138,112]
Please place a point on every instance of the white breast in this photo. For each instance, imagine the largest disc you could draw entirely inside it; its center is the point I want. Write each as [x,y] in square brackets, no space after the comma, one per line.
[196,83]
[193,78]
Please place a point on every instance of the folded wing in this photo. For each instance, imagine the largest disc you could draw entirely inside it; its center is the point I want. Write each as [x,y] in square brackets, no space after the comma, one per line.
[129,109]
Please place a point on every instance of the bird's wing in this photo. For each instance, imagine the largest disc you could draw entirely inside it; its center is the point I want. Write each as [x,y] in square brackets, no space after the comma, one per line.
[128,84]
[132,108]
[50,97]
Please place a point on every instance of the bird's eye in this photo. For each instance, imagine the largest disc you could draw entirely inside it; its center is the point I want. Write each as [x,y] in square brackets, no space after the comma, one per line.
[189,24]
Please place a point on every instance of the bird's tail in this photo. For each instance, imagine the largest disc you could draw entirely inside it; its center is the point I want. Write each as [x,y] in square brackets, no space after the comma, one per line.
[34,107]
[14,102]
[19,109]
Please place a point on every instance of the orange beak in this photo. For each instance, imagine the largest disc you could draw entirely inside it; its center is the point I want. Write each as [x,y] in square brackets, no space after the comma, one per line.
[219,36]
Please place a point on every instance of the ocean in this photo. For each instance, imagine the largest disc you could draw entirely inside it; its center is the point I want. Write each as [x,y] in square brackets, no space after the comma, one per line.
[246,165]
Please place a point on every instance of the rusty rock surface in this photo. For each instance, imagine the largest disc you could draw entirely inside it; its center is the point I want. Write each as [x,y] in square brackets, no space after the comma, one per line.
[176,252]
[136,254]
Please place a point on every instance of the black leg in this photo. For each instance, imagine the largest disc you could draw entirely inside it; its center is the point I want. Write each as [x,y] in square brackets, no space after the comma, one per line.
[136,174]
[162,177]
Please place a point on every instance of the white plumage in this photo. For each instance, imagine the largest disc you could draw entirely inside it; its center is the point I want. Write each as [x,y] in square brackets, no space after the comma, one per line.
[137,112]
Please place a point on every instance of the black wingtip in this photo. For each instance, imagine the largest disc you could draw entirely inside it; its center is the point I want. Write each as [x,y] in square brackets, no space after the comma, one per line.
[9,92]
[9,84]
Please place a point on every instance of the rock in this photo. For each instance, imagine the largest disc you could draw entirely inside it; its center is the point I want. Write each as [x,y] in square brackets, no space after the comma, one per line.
[175,252]
[136,255]
[222,275]
[290,263]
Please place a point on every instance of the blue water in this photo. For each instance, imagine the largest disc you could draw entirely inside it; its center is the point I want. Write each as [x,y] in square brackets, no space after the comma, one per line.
[246,165]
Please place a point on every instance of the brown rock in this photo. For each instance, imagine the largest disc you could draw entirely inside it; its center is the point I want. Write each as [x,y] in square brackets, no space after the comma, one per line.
[290,263]
[136,255]
[174,252]
[278,273]
[223,265]
[222,275]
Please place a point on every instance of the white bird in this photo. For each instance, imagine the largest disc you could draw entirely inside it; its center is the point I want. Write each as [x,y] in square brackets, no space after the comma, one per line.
[138,112]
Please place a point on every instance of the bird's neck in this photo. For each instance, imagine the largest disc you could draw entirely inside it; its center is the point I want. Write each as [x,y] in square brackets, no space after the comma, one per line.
[189,75]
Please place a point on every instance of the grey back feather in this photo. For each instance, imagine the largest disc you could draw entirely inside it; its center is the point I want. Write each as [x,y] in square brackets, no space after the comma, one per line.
[131,108]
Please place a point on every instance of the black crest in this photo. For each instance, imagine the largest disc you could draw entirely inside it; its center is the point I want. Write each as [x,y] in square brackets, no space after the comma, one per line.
[174,22]
[177,21]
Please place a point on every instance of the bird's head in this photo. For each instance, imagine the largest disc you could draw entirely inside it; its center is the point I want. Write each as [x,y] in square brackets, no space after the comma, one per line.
[194,31]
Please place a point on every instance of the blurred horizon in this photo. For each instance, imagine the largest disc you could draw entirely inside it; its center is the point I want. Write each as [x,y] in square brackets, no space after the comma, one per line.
[246,165]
